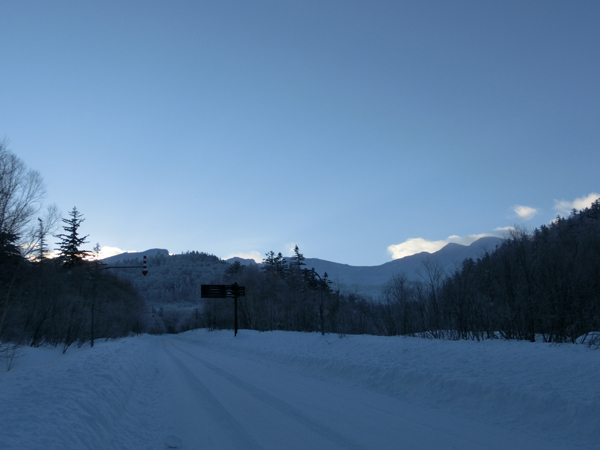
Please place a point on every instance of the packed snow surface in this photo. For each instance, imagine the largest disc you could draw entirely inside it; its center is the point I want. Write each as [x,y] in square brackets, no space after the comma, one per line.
[282,390]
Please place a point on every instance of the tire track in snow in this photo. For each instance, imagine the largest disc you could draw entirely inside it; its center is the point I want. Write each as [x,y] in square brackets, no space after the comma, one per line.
[233,427]
[279,405]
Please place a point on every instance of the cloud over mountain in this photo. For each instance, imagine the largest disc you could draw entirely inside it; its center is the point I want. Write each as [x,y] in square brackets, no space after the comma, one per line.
[413,246]
[565,207]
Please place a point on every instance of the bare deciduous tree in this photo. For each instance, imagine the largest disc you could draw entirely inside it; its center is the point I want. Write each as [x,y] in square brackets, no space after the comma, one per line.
[21,194]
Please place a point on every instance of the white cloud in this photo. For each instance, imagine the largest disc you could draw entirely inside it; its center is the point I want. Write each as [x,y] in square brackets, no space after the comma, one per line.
[256,256]
[525,212]
[106,251]
[53,254]
[504,230]
[467,240]
[413,246]
[417,245]
[565,206]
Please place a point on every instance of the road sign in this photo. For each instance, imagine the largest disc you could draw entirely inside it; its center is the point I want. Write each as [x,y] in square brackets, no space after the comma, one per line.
[224,291]
[233,290]
[213,291]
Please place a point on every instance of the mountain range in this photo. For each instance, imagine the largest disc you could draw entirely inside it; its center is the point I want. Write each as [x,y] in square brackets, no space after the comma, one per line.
[370,279]
[366,280]
[135,255]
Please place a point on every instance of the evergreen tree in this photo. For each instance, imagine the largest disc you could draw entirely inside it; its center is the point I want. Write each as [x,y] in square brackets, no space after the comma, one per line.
[281,266]
[96,251]
[8,246]
[269,265]
[297,259]
[70,242]
[326,283]
[234,269]
[42,249]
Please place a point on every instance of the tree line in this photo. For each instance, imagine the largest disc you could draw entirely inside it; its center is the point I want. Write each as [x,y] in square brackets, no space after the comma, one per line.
[60,301]
[540,285]
[543,284]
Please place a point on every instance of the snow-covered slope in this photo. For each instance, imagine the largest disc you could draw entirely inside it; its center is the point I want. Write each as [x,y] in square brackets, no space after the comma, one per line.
[299,391]
[369,279]
[172,280]
[187,271]
[136,256]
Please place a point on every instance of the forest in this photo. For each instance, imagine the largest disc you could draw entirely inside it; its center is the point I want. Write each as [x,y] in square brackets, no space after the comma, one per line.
[537,285]
[61,301]
[540,285]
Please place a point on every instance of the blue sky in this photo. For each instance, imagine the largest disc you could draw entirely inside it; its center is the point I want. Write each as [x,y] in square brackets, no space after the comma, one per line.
[360,131]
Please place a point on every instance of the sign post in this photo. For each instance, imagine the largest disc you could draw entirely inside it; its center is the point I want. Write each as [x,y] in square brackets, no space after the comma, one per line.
[225,291]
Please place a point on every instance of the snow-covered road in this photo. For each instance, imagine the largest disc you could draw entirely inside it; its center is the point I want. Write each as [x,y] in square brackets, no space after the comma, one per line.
[203,390]
[253,404]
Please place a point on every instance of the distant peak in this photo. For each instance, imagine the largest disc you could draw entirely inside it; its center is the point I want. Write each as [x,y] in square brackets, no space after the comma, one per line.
[486,241]
[450,245]
[137,255]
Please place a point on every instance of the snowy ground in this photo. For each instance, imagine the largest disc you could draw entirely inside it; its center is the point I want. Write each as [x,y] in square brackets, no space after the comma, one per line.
[278,390]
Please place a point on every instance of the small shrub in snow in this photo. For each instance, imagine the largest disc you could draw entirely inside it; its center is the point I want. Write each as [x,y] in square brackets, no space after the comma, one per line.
[10,353]
[591,339]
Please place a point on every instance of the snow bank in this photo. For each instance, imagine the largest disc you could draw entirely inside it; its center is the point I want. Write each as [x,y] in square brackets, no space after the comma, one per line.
[110,396]
[83,399]
[553,388]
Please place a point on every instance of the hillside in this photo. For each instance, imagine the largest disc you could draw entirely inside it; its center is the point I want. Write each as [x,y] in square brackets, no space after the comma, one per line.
[176,279]
[135,256]
[172,279]
[546,282]
[369,279]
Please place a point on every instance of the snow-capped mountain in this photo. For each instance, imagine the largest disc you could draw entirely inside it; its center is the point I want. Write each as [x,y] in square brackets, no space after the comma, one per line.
[180,275]
[370,279]
[135,255]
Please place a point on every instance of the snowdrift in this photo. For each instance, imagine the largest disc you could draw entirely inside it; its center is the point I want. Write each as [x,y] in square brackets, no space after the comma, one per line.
[107,397]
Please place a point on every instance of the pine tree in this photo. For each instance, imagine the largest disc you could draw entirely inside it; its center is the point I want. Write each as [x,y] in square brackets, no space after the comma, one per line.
[42,249]
[298,259]
[275,266]
[70,252]
[269,263]
[9,246]
[281,266]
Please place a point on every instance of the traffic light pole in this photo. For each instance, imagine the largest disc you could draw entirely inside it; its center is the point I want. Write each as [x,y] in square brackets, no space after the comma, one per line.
[144,268]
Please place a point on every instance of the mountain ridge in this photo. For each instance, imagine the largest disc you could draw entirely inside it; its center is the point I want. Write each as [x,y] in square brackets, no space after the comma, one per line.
[135,255]
[366,280]
[369,280]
